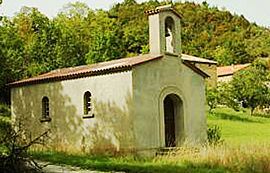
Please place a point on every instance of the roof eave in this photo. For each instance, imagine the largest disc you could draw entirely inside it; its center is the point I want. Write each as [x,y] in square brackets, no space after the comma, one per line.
[81,75]
[71,76]
[196,69]
[201,62]
[163,8]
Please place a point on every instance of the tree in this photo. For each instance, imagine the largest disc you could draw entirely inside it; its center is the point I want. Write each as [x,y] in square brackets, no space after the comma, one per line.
[78,9]
[212,98]
[107,39]
[249,87]
[11,57]
[31,43]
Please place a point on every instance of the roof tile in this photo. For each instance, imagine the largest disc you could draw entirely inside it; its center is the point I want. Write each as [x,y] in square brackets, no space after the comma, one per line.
[118,65]
[88,70]
[230,70]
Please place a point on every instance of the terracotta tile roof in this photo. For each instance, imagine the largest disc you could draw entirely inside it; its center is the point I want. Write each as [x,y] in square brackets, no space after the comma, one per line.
[124,64]
[197,59]
[230,70]
[163,8]
[118,65]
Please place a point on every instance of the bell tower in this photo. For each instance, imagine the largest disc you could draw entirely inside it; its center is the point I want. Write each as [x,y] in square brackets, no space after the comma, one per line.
[164,30]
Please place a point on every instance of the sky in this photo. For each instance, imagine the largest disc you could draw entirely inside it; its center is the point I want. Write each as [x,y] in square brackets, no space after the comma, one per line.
[254,10]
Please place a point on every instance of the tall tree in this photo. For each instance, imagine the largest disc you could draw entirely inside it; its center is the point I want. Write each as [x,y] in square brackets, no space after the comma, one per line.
[11,57]
[250,86]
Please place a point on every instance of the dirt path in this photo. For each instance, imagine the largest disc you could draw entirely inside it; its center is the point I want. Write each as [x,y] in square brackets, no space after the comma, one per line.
[49,168]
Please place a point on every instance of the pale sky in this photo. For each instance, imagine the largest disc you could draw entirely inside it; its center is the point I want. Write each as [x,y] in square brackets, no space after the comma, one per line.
[254,10]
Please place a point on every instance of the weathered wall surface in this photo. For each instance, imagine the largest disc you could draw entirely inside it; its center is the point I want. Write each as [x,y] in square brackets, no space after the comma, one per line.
[128,108]
[157,33]
[227,78]
[152,82]
[210,69]
[111,128]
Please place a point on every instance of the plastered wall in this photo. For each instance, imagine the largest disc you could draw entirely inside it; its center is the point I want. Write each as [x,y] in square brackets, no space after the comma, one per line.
[111,127]
[152,82]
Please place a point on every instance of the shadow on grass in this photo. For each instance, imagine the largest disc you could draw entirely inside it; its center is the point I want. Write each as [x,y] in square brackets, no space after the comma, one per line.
[232,117]
[127,165]
[261,115]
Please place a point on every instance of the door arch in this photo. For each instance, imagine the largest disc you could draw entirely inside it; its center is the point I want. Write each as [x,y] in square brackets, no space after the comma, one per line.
[173,120]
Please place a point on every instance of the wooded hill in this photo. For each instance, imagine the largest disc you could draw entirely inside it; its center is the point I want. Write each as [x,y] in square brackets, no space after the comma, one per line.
[31,43]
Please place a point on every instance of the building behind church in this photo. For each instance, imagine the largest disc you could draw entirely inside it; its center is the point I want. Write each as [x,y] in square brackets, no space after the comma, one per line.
[137,104]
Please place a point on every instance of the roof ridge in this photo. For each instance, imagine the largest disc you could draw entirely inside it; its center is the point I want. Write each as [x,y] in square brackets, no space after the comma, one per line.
[117,65]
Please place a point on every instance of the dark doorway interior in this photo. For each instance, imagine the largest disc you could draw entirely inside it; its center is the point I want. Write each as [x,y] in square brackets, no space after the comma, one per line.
[169,118]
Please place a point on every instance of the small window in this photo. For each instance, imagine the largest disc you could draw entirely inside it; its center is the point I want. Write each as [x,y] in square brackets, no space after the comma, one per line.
[88,105]
[45,109]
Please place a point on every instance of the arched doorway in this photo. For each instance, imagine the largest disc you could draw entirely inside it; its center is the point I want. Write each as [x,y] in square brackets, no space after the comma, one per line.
[173,119]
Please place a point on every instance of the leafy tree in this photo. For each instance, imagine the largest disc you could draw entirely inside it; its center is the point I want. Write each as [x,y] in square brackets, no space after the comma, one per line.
[107,39]
[76,9]
[250,86]
[11,57]
[227,97]
[32,44]
[212,98]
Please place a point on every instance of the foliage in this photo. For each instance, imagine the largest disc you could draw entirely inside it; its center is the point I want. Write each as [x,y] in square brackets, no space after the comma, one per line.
[227,97]
[250,86]
[212,98]
[32,44]
[5,122]
[5,110]
[214,135]
[14,157]
[107,42]
[221,95]
[13,148]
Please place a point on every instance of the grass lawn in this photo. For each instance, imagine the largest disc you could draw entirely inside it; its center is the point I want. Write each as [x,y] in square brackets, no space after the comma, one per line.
[127,163]
[245,149]
[239,128]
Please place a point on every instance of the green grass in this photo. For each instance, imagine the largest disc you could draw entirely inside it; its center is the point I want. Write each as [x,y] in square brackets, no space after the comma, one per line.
[126,164]
[246,149]
[240,128]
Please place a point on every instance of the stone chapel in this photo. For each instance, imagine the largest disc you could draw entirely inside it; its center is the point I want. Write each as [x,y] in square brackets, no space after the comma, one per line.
[138,104]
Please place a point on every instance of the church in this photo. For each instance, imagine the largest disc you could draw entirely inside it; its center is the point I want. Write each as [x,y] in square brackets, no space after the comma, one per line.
[138,104]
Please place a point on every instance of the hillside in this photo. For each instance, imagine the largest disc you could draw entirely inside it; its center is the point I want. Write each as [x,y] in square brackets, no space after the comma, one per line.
[31,43]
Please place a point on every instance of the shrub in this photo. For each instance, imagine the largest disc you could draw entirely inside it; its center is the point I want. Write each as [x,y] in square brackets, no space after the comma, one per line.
[14,157]
[214,135]
[212,98]
[4,110]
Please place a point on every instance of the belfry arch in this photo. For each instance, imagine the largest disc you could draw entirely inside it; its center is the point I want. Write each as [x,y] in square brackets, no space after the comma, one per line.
[164,30]
[169,34]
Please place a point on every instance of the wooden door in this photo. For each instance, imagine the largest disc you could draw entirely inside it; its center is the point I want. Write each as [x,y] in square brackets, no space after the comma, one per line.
[169,119]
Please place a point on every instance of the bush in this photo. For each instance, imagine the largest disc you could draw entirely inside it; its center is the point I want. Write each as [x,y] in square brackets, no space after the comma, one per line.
[5,110]
[214,135]
[212,98]
[14,156]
